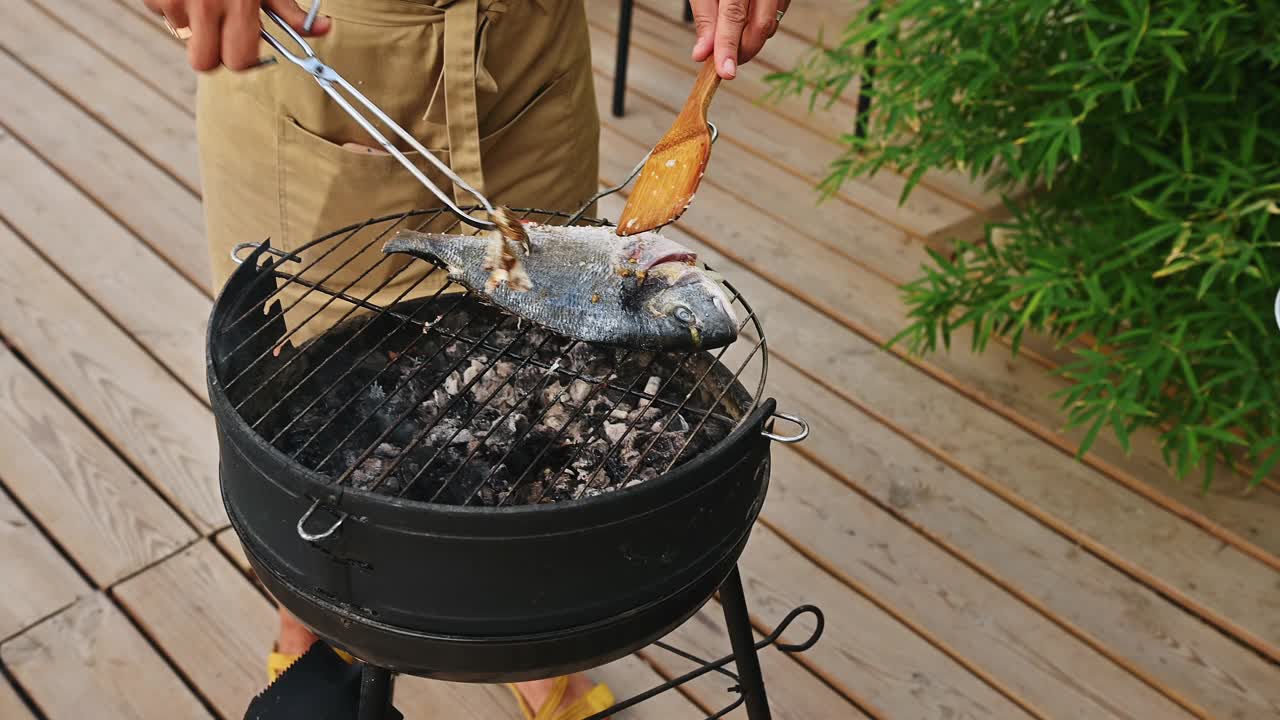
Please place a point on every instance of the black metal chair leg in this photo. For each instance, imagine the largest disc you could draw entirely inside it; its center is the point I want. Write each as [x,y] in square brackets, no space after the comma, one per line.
[743,641]
[620,66]
[688,11]
[864,99]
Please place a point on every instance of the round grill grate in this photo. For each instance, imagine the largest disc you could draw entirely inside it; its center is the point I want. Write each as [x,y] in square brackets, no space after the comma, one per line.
[419,389]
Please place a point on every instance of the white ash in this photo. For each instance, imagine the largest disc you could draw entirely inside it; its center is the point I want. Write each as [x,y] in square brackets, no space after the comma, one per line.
[502,430]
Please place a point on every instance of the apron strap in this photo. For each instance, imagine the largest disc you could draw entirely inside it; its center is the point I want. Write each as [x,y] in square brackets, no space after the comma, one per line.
[460,23]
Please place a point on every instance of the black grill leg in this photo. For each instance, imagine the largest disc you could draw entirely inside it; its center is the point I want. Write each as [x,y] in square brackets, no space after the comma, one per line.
[620,66]
[688,11]
[744,647]
[376,686]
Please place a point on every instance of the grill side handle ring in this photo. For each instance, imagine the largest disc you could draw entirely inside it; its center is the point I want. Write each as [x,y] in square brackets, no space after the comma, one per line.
[800,434]
[315,537]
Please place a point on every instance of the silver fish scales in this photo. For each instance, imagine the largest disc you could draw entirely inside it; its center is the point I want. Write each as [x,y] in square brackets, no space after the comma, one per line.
[641,292]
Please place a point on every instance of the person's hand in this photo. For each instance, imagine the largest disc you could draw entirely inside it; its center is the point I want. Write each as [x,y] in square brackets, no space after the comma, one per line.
[734,30]
[225,32]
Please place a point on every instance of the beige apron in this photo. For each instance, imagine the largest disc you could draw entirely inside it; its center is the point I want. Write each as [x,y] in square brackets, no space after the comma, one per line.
[500,90]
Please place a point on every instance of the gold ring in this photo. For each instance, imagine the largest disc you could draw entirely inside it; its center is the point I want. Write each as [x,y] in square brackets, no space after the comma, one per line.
[180,33]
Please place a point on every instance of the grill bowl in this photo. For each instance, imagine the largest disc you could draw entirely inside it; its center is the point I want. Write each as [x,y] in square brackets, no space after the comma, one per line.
[478,594]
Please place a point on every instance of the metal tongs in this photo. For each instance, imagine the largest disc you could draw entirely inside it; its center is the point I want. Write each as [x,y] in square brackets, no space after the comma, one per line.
[330,81]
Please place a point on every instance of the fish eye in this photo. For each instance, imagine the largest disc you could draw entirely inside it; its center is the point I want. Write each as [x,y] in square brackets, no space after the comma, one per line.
[683,314]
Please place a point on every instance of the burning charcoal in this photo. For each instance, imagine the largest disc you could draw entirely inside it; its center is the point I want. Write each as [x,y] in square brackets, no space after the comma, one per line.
[517,435]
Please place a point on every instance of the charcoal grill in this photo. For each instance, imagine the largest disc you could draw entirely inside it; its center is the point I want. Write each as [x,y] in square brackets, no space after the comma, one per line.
[443,490]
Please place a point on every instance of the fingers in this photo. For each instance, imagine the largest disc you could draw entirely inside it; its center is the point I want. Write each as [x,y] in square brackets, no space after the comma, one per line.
[762,25]
[296,17]
[204,49]
[730,23]
[704,24]
[240,34]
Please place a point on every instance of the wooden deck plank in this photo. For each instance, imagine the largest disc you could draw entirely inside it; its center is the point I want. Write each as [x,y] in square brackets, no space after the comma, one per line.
[118,99]
[211,623]
[148,416]
[89,500]
[1019,388]
[862,648]
[229,542]
[917,580]
[162,310]
[38,582]
[11,705]
[128,38]
[1229,582]
[89,659]
[137,193]
[1032,560]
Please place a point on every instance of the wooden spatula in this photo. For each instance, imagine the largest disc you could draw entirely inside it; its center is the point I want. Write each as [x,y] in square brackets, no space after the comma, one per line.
[671,175]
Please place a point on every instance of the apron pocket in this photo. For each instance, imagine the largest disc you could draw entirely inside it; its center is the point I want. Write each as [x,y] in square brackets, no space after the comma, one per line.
[324,188]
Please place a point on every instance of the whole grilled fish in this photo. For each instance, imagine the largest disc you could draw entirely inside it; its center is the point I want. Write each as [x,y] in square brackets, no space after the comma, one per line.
[640,292]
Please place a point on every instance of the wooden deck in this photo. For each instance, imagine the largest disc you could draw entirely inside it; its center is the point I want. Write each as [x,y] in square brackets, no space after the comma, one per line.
[968,565]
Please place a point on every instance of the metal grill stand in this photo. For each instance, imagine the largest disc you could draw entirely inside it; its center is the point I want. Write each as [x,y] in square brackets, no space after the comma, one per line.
[377,684]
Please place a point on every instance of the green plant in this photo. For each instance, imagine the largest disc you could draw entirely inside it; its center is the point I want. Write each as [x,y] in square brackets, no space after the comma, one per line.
[1149,135]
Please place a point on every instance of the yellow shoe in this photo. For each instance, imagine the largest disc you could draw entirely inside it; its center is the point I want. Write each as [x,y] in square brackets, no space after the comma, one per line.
[595,700]
[278,662]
